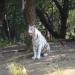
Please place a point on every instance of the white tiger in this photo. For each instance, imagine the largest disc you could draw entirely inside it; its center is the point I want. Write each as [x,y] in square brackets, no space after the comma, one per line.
[40,45]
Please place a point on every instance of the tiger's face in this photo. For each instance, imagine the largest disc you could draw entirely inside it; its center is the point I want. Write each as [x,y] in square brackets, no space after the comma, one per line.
[31,30]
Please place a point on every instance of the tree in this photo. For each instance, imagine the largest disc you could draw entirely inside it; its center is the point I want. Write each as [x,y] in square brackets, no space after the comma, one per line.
[63,10]
[30,12]
[46,23]
[2,9]
[3,23]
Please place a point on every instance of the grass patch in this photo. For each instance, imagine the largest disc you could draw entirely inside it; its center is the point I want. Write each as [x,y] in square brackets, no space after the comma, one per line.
[5,43]
[16,69]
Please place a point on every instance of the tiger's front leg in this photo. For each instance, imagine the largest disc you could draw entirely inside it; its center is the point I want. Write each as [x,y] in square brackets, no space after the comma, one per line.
[34,54]
[34,50]
[39,52]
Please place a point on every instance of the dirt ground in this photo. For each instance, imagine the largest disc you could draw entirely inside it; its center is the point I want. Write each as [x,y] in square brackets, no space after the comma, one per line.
[57,63]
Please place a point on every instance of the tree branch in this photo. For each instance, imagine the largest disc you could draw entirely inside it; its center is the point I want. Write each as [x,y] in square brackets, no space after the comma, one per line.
[44,21]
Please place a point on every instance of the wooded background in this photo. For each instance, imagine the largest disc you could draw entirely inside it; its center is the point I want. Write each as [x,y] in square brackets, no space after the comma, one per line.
[54,18]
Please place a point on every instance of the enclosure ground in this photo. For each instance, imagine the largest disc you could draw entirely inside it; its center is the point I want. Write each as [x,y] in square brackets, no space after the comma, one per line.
[57,63]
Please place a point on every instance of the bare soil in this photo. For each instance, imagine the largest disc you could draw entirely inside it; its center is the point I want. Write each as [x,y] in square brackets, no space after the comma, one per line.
[61,61]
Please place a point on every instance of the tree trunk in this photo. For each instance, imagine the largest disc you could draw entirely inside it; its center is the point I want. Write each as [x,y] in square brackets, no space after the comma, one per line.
[64,10]
[30,17]
[64,16]
[63,25]
[30,12]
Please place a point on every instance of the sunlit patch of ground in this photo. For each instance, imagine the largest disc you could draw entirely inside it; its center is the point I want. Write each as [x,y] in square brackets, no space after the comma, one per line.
[63,72]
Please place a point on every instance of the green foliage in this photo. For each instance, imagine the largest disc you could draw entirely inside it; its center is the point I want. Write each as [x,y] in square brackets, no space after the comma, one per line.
[50,8]
[41,28]
[72,4]
[71,25]
[72,19]
[70,35]
[15,18]
[6,43]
